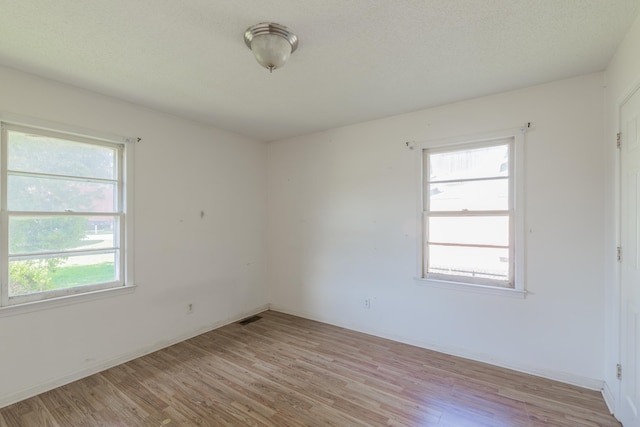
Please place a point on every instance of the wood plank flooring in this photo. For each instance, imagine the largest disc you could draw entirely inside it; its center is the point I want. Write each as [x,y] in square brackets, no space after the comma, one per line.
[286,371]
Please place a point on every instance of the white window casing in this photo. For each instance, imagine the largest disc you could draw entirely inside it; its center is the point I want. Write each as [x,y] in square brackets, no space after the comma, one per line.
[511,281]
[20,207]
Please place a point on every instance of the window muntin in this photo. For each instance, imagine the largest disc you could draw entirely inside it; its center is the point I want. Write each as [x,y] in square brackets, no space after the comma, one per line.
[468,213]
[63,215]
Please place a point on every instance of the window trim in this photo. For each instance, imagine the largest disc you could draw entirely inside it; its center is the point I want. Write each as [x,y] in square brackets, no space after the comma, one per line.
[45,304]
[518,207]
[125,156]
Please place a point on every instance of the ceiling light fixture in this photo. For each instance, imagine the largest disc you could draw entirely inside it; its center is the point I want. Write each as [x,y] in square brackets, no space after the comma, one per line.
[272,44]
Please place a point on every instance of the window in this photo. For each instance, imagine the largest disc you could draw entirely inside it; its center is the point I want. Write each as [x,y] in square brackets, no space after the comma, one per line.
[64,215]
[471,212]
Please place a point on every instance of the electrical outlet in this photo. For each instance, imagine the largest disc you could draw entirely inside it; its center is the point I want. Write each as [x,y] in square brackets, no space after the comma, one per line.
[367,303]
[190,308]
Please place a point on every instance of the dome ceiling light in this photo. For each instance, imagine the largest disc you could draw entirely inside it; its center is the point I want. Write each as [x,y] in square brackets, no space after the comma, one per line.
[272,44]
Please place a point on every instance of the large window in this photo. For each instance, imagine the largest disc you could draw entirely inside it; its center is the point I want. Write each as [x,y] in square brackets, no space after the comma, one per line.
[64,216]
[472,229]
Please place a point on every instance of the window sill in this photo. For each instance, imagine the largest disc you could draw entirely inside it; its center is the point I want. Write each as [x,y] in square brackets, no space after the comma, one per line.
[470,287]
[29,307]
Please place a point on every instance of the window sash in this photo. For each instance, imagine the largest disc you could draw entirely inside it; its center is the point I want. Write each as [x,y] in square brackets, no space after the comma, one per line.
[118,214]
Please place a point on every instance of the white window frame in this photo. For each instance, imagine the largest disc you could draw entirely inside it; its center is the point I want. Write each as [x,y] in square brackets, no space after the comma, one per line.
[516,210]
[125,157]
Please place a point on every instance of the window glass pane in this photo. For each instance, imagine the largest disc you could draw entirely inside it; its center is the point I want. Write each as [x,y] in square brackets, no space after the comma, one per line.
[42,154]
[482,263]
[49,274]
[476,230]
[27,193]
[60,233]
[471,195]
[470,163]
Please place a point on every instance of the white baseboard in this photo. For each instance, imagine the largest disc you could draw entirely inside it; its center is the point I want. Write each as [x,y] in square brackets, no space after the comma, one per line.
[564,377]
[104,365]
[609,398]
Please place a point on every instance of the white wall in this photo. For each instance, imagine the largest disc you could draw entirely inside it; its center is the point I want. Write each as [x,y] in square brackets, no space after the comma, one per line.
[622,77]
[342,228]
[216,262]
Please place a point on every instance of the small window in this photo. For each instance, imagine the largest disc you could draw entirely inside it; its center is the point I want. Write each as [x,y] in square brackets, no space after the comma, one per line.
[64,220]
[471,224]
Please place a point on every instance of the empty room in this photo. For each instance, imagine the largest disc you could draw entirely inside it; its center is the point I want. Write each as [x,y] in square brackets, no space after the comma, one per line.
[392,213]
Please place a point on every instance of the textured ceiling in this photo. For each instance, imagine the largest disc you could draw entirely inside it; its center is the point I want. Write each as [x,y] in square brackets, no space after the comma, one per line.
[357,60]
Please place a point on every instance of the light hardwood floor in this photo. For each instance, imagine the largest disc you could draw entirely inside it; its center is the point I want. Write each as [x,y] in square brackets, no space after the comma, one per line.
[286,371]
